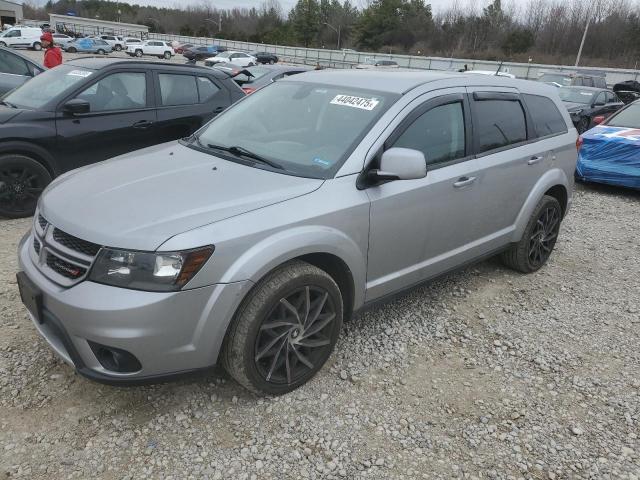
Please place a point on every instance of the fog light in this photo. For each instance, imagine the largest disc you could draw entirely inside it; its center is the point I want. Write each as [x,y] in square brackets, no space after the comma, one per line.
[115,359]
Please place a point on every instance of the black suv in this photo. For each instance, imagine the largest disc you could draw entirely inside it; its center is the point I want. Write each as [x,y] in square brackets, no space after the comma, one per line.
[91,109]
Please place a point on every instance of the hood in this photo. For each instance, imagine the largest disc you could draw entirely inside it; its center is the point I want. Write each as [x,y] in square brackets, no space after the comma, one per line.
[7,113]
[572,107]
[141,199]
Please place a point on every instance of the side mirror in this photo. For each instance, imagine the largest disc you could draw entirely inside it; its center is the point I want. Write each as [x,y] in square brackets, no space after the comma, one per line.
[76,106]
[401,164]
[598,119]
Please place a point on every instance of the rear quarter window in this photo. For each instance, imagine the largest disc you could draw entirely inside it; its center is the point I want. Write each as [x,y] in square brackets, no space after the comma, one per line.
[546,117]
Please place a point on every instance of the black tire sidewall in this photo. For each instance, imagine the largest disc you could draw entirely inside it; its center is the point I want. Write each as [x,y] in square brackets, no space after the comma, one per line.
[34,165]
[546,202]
[255,312]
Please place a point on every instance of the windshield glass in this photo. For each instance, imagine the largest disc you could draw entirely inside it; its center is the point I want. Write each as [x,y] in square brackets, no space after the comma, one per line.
[575,95]
[224,55]
[563,80]
[41,89]
[629,117]
[308,129]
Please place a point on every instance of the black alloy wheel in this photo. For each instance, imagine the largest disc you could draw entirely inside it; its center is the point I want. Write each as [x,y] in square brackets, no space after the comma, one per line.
[22,180]
[295,336]
[583,125]
[544,236]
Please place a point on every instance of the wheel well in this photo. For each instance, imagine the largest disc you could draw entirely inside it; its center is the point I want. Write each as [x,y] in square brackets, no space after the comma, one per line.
[340,273]
[35,156]
[560,194]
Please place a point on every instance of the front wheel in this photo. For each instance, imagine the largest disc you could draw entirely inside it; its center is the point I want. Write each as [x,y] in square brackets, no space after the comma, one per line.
[71,50]
[583,125]
[285,330]
[2,44]
[101,52]
[540,236]
[138,53]
[167,55]
[117,48]
[22,180]
[37,46]
[272,61]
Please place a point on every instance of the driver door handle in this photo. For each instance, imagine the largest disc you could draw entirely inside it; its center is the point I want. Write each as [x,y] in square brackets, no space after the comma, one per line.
[464,181]
[142,124]
[535,159]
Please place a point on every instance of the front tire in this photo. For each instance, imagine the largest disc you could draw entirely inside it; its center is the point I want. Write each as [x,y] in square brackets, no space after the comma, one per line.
[167,55]
[2,44]
[117,48]
[583,125]
[138,53]
[540,236]
[100,52]
[71,50]
[285,330]
[272,61]
[22,180]
[37,46]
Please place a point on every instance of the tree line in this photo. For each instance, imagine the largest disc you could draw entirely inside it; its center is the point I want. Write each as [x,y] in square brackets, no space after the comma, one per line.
[542,31]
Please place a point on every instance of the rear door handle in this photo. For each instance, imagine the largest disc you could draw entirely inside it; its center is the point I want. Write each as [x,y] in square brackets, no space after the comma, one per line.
[142,124]
[464,181]
[534,160]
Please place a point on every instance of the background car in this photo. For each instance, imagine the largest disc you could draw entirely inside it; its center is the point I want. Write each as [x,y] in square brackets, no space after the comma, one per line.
[256,77]
[26,37]
[62,39]
[627,91]
[154,48]
[90,109]
[132,41]
[180,48]
[117,43]
[237,58]
[586,103]
[201,52]
[16,69]
[490,72]
[265,57]
[610,152]
[88,45]
[376,63]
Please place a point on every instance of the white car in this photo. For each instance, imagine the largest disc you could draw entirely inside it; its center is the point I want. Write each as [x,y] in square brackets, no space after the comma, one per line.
[117,43]
[231,56]
[151,47]
[376,63]
[132,41]
[62,39]
[27,37]
[491,72]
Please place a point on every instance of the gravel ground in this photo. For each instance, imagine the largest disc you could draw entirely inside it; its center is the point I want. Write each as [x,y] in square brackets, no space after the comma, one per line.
[483,374]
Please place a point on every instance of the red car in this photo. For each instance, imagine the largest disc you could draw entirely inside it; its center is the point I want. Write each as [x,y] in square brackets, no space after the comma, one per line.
[182,47]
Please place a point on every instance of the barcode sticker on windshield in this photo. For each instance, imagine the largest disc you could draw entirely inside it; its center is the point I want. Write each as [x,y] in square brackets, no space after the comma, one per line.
[79,73]
[355,102]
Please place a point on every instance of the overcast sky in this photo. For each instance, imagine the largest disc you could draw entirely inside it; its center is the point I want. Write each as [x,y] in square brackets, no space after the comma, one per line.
[287,4]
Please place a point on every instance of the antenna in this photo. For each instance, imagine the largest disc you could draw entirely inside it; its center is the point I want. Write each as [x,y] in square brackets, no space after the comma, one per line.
[499,67]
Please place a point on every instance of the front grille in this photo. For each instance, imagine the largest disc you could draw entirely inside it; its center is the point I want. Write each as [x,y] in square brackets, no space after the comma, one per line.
[76,244]
[36,245]
[66,269]
[42,222]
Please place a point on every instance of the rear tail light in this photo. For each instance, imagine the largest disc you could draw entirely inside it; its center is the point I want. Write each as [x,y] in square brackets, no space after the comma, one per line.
[248,90]
[598,119]
[579,143]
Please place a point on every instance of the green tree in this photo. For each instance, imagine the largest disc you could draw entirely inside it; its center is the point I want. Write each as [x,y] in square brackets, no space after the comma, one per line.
[186,30]
[518,41]
[305,20]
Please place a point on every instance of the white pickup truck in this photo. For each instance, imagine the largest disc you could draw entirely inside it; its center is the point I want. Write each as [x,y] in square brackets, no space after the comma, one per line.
[156,48]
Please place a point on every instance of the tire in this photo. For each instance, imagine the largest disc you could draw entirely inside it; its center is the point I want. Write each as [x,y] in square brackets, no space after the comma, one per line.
[583,125]
[166,56]
[246,339]
[2,44]
[539,237]
[138,53]
[37,46]
[71,50]
[272,61]
[250,64]
[100,52]
[117,48]
[22,180]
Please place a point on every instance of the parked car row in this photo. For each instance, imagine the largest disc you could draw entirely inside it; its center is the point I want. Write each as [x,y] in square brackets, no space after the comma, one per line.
[248,243]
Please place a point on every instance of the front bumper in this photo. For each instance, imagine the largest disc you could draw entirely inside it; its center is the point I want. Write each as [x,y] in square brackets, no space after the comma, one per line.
[170,333]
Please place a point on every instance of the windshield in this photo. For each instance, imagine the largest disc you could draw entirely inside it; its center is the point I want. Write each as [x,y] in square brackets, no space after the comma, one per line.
[629,117]
[224,55]
[38,91]
[575,95]
[308,129]
[563,80]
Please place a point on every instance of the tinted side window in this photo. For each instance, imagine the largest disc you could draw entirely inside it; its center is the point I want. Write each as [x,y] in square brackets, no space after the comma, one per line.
[178,89]
[207,89]
[600,99]
[438,133]
[118,91]
[500,123]
[13,64]
[547,120]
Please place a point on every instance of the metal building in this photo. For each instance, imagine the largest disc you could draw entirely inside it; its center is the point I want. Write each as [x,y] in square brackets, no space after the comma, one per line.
[10,12]
[95,26]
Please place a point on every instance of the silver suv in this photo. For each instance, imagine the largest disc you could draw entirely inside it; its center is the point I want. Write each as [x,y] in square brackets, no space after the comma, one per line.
[249,243]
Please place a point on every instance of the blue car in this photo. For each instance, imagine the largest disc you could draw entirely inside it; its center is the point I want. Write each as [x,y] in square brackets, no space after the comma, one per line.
[88,45]
[610,152]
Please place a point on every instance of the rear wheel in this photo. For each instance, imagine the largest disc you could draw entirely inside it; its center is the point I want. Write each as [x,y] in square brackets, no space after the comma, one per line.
[272,61]
[37,46]
[101,52]
[285,330]
[22,180]
[167,55]
[540,236]
[71,50]
[2,44]
[117,48]
[138,53]
[583,124]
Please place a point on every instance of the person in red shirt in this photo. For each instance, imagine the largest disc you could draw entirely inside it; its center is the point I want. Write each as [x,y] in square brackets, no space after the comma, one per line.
[52,54]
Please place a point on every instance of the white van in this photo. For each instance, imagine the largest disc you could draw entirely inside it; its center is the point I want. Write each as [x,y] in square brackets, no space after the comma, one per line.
[26,37]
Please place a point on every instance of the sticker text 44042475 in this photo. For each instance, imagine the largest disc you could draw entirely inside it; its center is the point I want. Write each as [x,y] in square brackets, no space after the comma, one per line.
[355,102]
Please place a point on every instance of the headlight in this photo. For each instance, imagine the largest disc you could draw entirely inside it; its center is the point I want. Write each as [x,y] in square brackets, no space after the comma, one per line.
[151,271]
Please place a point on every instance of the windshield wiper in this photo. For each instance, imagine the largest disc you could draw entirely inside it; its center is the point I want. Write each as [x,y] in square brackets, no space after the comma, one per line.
[243,152]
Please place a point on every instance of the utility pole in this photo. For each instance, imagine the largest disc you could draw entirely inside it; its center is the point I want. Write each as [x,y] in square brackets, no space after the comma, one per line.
[337,30]
[584,37]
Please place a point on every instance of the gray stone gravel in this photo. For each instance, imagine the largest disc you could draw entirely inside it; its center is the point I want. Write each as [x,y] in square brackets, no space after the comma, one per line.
[485,373]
